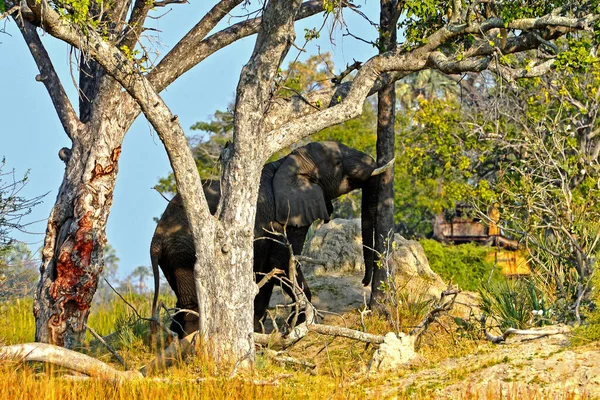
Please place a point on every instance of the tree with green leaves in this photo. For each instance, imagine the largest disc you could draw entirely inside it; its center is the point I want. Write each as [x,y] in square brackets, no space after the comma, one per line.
[544,149]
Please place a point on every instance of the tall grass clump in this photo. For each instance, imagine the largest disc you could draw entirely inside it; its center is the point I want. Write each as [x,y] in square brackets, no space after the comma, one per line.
[515,304]
[19,324]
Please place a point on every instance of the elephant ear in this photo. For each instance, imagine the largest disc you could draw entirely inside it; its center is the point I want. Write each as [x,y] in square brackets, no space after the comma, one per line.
[298,200]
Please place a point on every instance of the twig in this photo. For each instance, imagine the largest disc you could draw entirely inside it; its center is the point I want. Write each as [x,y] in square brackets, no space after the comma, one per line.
[336,80]
[442,306]
[109,347]
[269,276]
[310,260]
[276,355]
[7,13]
[164,3]
[243,358]
[126,302]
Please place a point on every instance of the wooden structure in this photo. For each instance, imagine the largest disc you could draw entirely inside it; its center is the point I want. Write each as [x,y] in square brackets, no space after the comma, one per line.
[462,227]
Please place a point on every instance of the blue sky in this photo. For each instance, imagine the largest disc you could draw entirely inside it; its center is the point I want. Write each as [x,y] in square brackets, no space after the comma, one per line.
[31,134]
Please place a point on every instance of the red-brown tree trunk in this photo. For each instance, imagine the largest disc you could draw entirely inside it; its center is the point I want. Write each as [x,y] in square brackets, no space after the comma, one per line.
[73,252]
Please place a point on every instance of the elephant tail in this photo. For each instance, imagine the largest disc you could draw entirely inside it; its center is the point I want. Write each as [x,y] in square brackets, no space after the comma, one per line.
[155,251]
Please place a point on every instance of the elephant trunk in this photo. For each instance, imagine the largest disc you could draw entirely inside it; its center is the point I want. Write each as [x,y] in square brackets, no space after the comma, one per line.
[368,216]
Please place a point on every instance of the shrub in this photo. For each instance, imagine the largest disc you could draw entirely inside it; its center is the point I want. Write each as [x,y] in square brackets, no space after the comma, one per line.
[464,264]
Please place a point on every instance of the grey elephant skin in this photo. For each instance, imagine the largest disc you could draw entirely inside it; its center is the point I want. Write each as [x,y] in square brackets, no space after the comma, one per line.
[294,192]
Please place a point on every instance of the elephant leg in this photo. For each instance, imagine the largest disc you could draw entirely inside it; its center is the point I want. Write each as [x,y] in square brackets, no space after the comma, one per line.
[262,266]
[280,259]
[269,255]
[184,323]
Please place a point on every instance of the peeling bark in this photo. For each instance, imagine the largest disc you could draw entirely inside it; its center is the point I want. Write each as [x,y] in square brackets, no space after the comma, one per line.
[73,252]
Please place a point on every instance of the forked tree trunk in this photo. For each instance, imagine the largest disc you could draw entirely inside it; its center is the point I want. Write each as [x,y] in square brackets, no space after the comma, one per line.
[227,288]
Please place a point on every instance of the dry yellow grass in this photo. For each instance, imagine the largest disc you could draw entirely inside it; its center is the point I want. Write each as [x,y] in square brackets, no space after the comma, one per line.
[339,373]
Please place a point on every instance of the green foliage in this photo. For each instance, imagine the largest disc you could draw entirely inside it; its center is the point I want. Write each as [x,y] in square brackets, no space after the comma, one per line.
[578,57]
[359,133]
[514,304]
[2,7]
[303,77]
[468,265]
[423,17]
[78,11]
[436,158]
[546,173]
[516,9]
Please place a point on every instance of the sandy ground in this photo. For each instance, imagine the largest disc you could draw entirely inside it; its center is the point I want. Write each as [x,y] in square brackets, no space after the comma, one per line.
[522,367]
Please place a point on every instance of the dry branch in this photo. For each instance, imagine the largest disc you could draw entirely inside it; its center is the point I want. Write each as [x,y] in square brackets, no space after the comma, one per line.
[444,304]
[64,109]
[527,332]
[269,276]
[109,347]
[277,356]
[70,359]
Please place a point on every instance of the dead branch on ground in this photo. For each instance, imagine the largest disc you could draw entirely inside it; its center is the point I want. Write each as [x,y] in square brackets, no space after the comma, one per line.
[512,331]
[66,358]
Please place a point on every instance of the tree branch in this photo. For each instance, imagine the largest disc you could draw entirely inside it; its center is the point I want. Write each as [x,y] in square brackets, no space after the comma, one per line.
[292,119]
[194,47]
[60,100]
[167,125]
[136,23]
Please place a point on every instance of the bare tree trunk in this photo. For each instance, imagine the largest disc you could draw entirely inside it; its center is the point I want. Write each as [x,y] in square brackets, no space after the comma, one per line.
[386,107]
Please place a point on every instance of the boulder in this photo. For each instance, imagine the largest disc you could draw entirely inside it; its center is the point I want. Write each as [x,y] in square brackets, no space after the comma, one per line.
[338,244]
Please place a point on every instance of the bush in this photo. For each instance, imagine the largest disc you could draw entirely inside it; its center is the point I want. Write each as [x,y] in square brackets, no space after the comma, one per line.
[464,264]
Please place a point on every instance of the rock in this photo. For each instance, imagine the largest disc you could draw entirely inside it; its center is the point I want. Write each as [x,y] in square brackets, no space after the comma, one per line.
[393,353]
[412,268]
[339,244]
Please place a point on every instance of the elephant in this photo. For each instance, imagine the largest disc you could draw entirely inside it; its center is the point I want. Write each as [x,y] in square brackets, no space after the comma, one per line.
[294,191]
